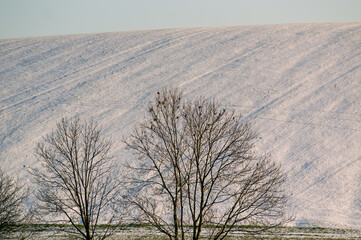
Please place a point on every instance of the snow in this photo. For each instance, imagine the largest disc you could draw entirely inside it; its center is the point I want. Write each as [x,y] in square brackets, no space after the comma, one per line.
[300,85]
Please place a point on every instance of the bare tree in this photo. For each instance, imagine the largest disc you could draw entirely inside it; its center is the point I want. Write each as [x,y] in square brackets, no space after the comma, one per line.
[196,166]
[77,183]
[12,206]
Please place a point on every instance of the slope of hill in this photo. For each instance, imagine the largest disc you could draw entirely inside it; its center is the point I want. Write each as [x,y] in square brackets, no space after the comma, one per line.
[300,85]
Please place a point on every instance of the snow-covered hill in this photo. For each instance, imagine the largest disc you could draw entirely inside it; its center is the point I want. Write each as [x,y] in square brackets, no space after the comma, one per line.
[300,84]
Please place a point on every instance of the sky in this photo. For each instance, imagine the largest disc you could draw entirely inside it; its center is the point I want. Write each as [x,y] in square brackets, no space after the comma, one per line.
[27,18]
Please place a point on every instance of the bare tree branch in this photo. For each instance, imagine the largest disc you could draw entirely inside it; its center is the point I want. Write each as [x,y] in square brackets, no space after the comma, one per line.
[196,166]
[78,182]
[13,212]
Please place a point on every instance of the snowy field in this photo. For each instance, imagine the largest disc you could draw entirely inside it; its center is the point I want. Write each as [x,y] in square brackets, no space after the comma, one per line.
[300,85]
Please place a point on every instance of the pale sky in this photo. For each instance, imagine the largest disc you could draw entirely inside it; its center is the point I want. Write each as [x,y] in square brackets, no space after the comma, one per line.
[24,18]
